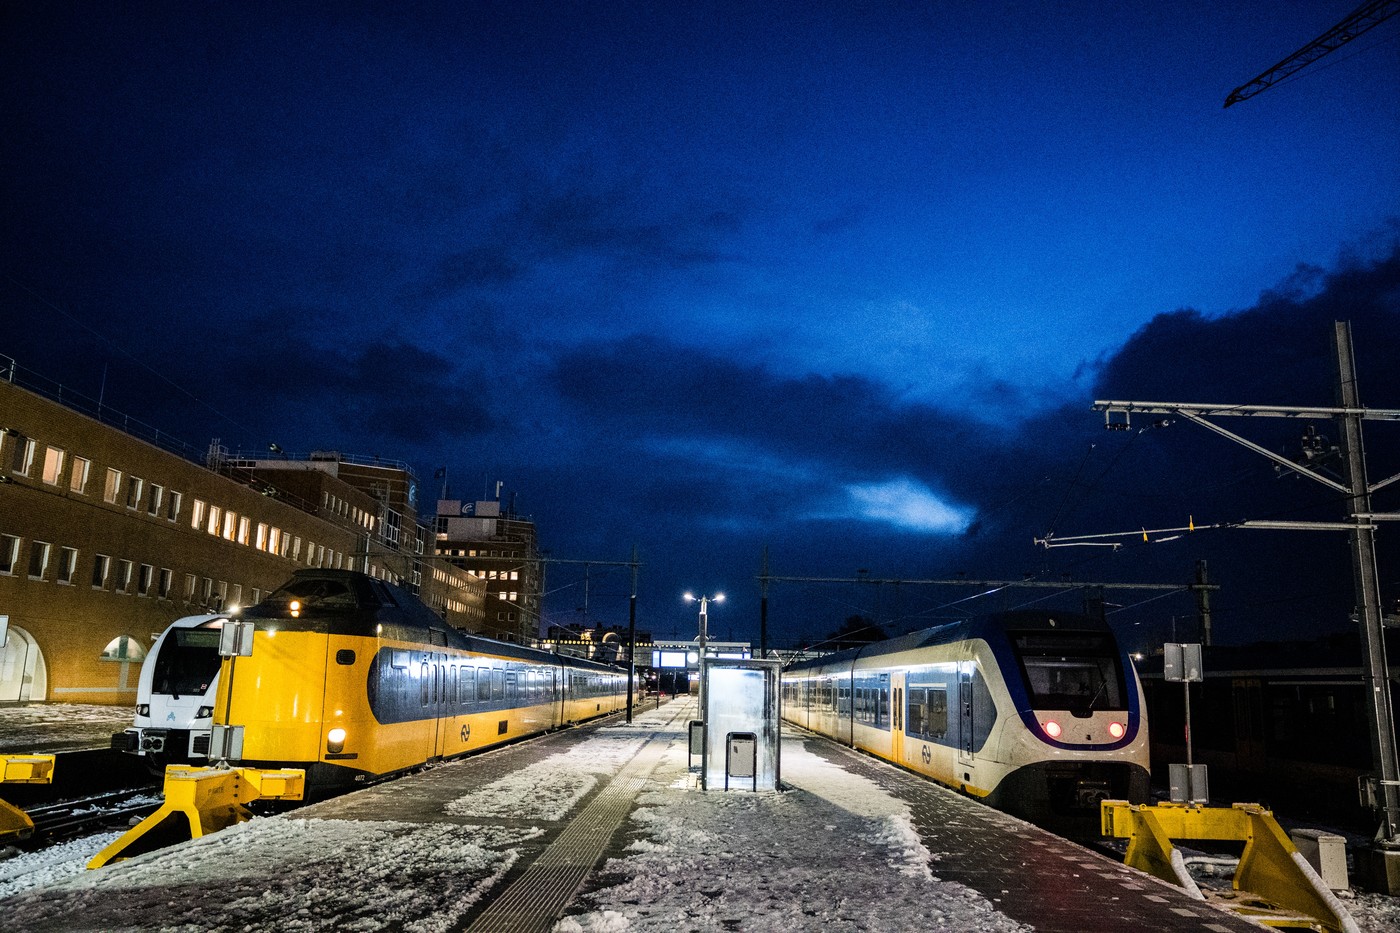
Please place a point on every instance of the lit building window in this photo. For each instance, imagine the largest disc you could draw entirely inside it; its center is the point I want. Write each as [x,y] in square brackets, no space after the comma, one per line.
[78,480]
[53,465]
[123,648]
[113,486]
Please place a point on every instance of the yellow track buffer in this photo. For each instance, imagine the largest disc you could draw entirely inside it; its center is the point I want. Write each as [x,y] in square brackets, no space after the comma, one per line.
[21,769]
[1282,889]
[200,801]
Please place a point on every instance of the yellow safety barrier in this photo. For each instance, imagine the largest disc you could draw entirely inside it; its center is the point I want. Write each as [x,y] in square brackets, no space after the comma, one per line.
[21,769]
[200,801]
[1270,868]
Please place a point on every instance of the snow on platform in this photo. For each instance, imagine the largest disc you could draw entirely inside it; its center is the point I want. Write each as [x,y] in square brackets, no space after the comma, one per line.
[849,845]
[46,728]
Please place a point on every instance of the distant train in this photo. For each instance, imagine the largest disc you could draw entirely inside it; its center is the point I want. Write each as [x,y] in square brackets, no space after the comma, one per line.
[1040,714]
[354,679]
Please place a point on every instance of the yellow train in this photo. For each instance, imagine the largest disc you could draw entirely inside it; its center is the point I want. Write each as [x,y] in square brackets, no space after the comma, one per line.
[353,679]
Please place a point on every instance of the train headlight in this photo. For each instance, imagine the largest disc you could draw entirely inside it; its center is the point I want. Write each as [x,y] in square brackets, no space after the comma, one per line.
[335,741]
[1052,728]
[204,712]
[143,709]
[1116,729]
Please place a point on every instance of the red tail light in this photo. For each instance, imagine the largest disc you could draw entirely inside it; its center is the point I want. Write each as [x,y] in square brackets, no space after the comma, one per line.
[1052,728]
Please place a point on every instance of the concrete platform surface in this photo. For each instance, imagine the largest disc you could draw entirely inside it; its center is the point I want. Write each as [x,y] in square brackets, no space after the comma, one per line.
[601,828]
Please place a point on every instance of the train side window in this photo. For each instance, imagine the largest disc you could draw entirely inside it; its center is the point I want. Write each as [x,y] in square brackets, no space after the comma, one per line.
[424,682]
[345,656]
[917,713]
[511,693]
[400,660]
[937,717]
[466,685]
[498,684]
[483,685]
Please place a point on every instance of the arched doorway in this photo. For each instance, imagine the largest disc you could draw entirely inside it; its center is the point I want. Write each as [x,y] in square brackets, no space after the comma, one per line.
[23,674]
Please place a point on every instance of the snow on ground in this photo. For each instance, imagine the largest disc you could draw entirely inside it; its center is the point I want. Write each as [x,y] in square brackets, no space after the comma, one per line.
[833,852]
[51,727]
[549,789]
[287,875]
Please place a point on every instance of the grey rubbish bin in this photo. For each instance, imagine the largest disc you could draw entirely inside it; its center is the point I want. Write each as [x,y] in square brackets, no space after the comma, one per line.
[741,757]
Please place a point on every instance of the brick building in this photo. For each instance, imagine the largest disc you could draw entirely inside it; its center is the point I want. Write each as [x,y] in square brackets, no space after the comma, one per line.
[107,536]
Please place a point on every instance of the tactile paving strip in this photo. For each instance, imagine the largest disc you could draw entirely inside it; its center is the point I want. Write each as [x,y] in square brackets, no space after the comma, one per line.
[537,898]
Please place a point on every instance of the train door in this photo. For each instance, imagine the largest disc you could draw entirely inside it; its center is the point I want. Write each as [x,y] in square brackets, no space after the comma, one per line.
[897,716]
[556,695]
[965,718]
[435,691]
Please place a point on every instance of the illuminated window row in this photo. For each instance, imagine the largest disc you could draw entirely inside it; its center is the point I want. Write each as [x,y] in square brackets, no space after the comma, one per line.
[344,509]
[60,468]
[60,564]
[241,529]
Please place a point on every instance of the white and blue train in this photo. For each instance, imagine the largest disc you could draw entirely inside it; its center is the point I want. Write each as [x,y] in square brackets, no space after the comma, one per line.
[1039,714]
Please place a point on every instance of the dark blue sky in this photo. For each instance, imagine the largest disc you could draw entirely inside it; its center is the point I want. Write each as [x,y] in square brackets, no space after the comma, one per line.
[840,280]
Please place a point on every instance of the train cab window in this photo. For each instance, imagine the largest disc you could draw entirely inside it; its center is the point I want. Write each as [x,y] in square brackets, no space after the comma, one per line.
[386,595]
[1078,671]
[318,592]
[188,662]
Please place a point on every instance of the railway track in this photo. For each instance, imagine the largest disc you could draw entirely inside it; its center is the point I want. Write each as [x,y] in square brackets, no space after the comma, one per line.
[64,820]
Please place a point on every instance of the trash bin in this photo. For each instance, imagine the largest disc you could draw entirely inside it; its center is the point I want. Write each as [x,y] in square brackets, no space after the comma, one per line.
[697,743]
[741,757]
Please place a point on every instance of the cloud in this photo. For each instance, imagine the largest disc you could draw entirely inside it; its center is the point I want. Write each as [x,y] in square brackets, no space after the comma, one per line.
[907,503]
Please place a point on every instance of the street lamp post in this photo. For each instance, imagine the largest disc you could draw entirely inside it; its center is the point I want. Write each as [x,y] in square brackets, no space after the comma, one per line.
[704,635]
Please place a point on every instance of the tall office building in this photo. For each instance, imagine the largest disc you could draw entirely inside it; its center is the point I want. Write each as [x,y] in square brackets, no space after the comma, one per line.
[501,548]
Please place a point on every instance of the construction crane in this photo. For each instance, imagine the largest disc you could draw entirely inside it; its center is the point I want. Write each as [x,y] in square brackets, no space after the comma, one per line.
[1363,18]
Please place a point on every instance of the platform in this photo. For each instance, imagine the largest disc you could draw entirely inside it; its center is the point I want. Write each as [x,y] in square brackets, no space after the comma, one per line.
[602,828]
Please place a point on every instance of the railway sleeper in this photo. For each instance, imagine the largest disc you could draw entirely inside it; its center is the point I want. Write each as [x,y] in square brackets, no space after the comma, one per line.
[1284,890]
[200,801]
